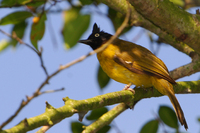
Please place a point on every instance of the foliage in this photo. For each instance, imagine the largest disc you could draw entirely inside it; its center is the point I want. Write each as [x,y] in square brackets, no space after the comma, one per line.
[102,78]
[32,16]
[166,117]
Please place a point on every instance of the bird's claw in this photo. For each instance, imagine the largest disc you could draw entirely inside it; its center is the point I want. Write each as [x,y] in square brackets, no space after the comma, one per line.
[127,87]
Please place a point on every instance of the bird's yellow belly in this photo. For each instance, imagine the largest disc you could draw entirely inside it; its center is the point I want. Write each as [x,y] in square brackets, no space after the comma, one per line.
[121,74]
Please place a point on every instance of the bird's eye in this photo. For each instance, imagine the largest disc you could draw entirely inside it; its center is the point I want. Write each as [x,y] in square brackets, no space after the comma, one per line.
[96,35]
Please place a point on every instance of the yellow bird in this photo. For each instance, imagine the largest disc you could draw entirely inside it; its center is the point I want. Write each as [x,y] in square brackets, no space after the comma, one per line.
[130,63]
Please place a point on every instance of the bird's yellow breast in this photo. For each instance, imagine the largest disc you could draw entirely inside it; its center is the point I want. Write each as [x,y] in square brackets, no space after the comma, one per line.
[118,72]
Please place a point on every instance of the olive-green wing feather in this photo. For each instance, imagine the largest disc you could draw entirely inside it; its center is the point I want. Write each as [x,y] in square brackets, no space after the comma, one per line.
[140,60]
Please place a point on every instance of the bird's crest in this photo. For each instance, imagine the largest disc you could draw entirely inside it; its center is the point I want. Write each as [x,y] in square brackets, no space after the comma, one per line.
[96,29]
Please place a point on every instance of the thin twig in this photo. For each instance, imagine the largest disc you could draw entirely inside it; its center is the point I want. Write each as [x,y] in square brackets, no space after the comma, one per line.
[44,129]
[51,91]
[42,62]
[39,53]
[24,103]
[19,40]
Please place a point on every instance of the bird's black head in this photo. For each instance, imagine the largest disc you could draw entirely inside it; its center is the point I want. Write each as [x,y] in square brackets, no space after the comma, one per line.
[97,38]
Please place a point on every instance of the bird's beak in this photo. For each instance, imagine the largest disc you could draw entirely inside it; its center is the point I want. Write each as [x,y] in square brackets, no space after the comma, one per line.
[85,41]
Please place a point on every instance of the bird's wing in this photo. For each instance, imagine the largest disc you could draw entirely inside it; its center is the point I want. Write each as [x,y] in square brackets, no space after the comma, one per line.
[143,62]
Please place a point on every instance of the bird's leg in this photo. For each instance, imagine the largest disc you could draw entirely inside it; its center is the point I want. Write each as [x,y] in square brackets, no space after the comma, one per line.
[127,87]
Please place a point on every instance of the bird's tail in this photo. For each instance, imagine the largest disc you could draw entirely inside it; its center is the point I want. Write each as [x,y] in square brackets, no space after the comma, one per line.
[166,88]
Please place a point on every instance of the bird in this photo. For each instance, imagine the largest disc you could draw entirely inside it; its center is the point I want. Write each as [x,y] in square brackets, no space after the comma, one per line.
[129,63]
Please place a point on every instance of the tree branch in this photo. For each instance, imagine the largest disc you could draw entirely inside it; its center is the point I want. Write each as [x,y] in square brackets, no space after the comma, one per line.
[24,103]
[180,24]
[191,3]
[138,20]
[74,106]
[183,87]
[106,119]
[14,36]
[186,70]
[44,129]
[180,88]
[53,115]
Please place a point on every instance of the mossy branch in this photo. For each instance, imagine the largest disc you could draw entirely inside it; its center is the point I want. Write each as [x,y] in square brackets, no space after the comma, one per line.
[181,25]
[105,119]
[139,20]
[53,115]
[181,88]
[186,70]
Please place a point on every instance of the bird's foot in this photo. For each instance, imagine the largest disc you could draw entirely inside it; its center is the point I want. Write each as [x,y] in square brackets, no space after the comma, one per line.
[127,87]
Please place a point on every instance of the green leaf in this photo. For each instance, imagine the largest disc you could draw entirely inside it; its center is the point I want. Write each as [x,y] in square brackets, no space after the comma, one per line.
[4,44]
[86,2]
[198,119]
[96,113]
[104,129]
[117,19]
[168,116]
[23,2]
[19,30]
[103,78]
[38,30]
[9,3]
[150,127]
[76,127]
[35,3]
[75,25]
[15,17]
[178,2]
